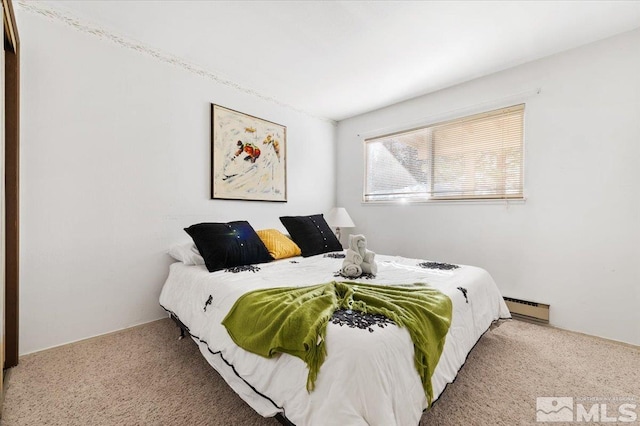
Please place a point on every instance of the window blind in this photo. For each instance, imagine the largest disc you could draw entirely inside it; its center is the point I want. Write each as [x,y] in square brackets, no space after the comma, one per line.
[474,157]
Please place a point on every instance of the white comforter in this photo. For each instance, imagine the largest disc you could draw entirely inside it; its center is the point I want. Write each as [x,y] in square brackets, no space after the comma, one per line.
[368,378]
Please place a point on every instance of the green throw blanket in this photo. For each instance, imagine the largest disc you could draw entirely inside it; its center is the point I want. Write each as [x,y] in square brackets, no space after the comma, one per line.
[293,320]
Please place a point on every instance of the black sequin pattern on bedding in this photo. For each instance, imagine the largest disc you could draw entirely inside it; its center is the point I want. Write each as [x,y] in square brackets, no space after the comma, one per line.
[208,302]
[335,255]
[243,268]
[357,319]
[438,265]
[464,293]
[364,275]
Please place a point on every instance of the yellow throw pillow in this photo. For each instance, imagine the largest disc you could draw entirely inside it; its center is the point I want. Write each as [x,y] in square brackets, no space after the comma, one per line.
[278,245]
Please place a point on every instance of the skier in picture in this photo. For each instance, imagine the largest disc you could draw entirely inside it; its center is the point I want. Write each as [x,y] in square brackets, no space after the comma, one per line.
[252,151]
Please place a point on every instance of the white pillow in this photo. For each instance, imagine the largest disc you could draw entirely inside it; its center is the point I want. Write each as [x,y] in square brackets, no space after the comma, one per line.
[186,253]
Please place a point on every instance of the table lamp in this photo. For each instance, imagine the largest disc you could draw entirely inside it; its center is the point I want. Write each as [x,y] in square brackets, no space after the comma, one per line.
[339,218]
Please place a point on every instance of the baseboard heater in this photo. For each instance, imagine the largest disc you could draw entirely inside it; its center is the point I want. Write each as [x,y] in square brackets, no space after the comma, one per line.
[528,311]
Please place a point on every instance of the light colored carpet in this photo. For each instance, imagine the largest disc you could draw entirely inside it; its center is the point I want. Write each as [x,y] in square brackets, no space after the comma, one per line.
[144,376]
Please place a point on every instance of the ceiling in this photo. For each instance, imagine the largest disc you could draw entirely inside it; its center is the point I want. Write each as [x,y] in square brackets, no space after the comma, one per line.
[337,59]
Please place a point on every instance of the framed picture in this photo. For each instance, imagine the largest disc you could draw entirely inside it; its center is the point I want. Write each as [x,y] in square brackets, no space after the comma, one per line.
[248,157]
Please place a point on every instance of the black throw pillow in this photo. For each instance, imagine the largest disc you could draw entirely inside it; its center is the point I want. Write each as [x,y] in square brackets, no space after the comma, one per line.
[311,234]
[225,245]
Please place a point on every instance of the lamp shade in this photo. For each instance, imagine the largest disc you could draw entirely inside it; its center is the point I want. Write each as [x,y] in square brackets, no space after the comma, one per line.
[339,218]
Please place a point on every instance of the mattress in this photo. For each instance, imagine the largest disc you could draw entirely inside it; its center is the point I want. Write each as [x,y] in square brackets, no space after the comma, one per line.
[368,377]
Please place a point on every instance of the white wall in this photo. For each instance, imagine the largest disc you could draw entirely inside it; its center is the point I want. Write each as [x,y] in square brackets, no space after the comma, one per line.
[115,162]
[575,243]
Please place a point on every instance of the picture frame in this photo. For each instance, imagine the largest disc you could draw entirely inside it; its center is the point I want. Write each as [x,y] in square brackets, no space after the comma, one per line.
[248,157]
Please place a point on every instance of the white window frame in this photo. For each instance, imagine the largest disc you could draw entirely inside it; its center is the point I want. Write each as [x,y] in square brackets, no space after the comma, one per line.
[446,199]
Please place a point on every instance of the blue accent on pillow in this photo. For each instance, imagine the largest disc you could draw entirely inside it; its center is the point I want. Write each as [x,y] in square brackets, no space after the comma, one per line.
[226,245]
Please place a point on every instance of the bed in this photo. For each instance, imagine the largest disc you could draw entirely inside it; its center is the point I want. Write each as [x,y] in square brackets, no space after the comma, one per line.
[368,377]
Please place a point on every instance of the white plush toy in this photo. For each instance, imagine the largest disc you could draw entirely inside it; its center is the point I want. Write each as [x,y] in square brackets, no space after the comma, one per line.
[358,259]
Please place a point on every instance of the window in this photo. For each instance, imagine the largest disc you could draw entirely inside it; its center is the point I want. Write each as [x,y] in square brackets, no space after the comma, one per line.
[475,157]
